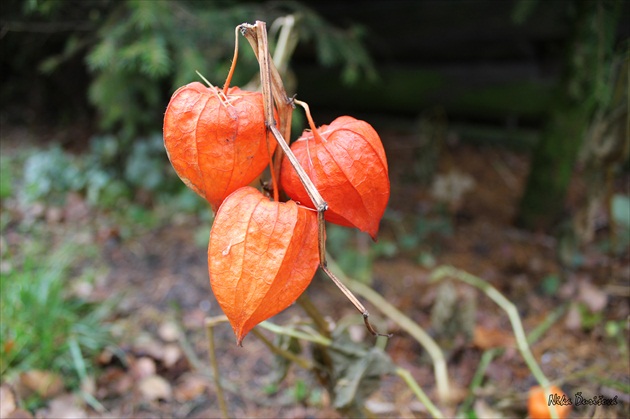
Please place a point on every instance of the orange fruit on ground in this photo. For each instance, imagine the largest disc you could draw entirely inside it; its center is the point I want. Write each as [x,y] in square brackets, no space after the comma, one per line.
[537,403]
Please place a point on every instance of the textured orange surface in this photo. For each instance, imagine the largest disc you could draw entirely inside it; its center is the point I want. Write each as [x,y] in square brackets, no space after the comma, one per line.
[215,143]
[537,403]
[262,256]
[347,164]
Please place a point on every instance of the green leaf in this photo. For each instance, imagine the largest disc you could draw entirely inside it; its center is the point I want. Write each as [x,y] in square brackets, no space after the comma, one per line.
[300,391]
[357,371]
[6,186]
[103,55]
[360,377]
[550,284]
[621,209]
[155,61]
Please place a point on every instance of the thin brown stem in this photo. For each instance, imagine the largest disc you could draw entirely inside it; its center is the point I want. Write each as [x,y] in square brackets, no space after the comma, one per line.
[355,301]
[265,78]
[307,305]
[274,179]
[311,190]
[257,37]
[284,105]
[265,81]
[302,362]
[215,369]
[321,238]
[234,59]
[309,118]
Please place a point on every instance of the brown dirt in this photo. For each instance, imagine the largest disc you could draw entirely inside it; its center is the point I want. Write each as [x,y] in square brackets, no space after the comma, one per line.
[161,276]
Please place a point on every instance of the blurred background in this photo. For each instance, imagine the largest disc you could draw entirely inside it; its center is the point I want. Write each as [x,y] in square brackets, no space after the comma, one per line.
[505,124]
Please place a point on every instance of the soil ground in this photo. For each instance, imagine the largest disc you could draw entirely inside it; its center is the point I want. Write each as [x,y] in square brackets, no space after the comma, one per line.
[160,278]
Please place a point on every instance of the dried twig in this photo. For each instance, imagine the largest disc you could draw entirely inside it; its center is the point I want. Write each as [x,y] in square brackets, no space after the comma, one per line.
[210,323]
[271,83]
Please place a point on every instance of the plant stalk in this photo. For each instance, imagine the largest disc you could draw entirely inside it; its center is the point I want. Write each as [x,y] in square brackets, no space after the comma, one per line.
[257,37]
[228,79]
[312,311]
[417,390]
[411,327]
[280,330]
[215,367]
[302,362]
[515,321]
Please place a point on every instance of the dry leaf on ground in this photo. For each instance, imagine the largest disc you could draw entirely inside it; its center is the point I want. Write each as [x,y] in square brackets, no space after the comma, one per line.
[154,388]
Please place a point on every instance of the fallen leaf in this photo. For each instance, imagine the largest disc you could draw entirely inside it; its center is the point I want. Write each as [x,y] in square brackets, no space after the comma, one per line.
[45,383]
[483,410]
[76,208]
[18,414]
[216,143]
[262,255]
[114,381]
[573,318]
[190,387]
[168,331]
[594,297]
[346,162]
[487,338]
[8,403]
[450,188]
[146,345]
[143,367]
[54,215]
[171,354]
[194,319]
[66,406]
[357,372]
[154,388]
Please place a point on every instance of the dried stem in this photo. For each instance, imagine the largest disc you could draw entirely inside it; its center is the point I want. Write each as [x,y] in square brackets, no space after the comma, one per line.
[411,327]
[309,118]
[482,366]
[404,374]
[490,354]
[289,331]
[307,305]
[355,301]
[257,37]
[287,41]
[274,173]
[302,362]
[215,368]
[284,105]
[515,320]
[234,59]
[258,40]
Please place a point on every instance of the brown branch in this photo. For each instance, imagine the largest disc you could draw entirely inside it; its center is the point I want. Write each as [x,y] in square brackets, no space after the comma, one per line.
[257,37]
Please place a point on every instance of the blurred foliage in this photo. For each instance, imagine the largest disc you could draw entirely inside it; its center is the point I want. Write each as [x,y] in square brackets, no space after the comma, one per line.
[588,88]
[619,241]
[136,194]
[355,252]
[44,326]
[125,58]
[415,237]
[49,174]
[138,52]
[6,189]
